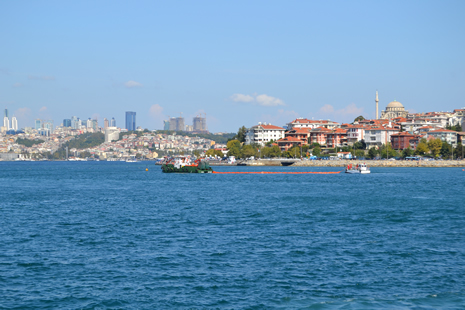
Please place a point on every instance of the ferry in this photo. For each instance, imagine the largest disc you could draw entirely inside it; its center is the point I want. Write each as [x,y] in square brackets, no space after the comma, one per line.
[360,169]
[184,164]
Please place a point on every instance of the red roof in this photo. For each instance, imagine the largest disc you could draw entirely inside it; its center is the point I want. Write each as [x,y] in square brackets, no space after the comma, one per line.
[442,130]
[290,139]
[269,127]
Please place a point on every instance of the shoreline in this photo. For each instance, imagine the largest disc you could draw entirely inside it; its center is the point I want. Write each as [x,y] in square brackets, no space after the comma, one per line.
[370,163]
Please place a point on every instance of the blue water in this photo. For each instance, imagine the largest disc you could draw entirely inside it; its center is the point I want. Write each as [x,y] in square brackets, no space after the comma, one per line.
[97,235]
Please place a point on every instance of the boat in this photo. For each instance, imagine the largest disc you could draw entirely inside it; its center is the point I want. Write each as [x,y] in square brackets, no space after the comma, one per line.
[184,164]
[360,169]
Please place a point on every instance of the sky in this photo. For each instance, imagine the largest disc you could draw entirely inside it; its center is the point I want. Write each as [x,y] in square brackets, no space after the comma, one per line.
[239,62]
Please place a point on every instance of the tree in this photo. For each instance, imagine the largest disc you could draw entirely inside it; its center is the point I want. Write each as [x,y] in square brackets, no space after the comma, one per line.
[241,134]
[372,152]
[234,151]
[407,152]
[387,151]
[446,150]
[459,151]
[458,127]
[435,146]
[196,153]
[360,145]
[248,151]
[316,151]
[214,153]
[269,143]
[359,118]
[422,148]
[359,153]
[272,151]
[233,143]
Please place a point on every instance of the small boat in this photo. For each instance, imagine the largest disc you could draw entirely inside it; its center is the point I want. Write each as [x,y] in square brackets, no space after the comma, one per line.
[360,168]
[184,164]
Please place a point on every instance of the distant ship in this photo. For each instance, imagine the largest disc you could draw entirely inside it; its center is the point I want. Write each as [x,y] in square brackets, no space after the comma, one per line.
[184,164]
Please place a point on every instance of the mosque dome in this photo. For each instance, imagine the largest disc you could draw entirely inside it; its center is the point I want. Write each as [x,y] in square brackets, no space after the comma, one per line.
[395,104]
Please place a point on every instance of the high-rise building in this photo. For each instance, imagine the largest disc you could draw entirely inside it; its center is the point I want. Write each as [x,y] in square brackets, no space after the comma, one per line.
[105,123]
[111,134]
[199,124]
[6,113]
[48,124]
[89,123]
[166,125]
[38,124]
[131,121]
[112,122]
[74,122]
[6,122]
[180,124]
[14,123]
[66,122]
[95,124]
[173,123]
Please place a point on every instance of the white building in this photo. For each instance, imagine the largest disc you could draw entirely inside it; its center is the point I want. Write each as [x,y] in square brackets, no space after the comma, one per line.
[449,136]
[14,123]
[311,124]
[263,133]
[111,134]
[377,136]
[6,123]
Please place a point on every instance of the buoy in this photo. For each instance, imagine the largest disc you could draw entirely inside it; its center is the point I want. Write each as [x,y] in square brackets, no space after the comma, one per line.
[146,169]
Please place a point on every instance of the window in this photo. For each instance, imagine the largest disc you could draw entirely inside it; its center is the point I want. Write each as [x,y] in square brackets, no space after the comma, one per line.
[373,138]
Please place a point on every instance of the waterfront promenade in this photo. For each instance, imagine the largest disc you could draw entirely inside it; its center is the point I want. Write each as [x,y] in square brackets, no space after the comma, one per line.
[371,163]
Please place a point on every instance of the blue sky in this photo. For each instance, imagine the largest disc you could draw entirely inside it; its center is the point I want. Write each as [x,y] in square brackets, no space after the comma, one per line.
[240,62]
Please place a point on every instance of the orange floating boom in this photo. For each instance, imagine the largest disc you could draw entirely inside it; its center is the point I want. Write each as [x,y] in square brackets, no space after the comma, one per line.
[276,172]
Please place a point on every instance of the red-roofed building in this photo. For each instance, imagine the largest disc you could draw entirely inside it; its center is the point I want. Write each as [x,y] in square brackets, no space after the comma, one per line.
[263,133]
[288,142]
[311,124]
[319,135]
[401,140]
[337,137]
[447,135]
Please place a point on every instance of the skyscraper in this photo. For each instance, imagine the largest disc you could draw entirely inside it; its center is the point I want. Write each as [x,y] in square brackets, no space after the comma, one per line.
[66,122]
[113,122]
[6,122]
[38,124]
[131,121]
[6,113]
[74,122]
[89,123]
[14,123]
[105,123]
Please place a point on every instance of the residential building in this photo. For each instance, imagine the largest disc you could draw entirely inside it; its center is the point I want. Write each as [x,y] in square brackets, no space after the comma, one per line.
[378,136]
[446,135]
[287,142]
[131,121]
[263,133]
[199,124]
[319,135]
[401,140]
[311,124]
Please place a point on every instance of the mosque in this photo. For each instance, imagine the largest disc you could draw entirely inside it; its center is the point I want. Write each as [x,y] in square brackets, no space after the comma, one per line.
[393,109]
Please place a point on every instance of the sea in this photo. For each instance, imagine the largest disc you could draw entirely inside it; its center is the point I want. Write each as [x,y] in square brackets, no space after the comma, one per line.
[111,235]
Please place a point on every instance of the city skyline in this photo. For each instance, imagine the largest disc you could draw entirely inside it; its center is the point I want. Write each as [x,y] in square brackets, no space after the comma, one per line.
[282,61]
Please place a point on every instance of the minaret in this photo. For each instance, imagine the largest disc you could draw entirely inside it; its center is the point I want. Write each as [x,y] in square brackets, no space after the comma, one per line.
[376,100]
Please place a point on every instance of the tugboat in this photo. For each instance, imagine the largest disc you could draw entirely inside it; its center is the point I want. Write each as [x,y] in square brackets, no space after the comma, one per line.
[360,168]
[183,164]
